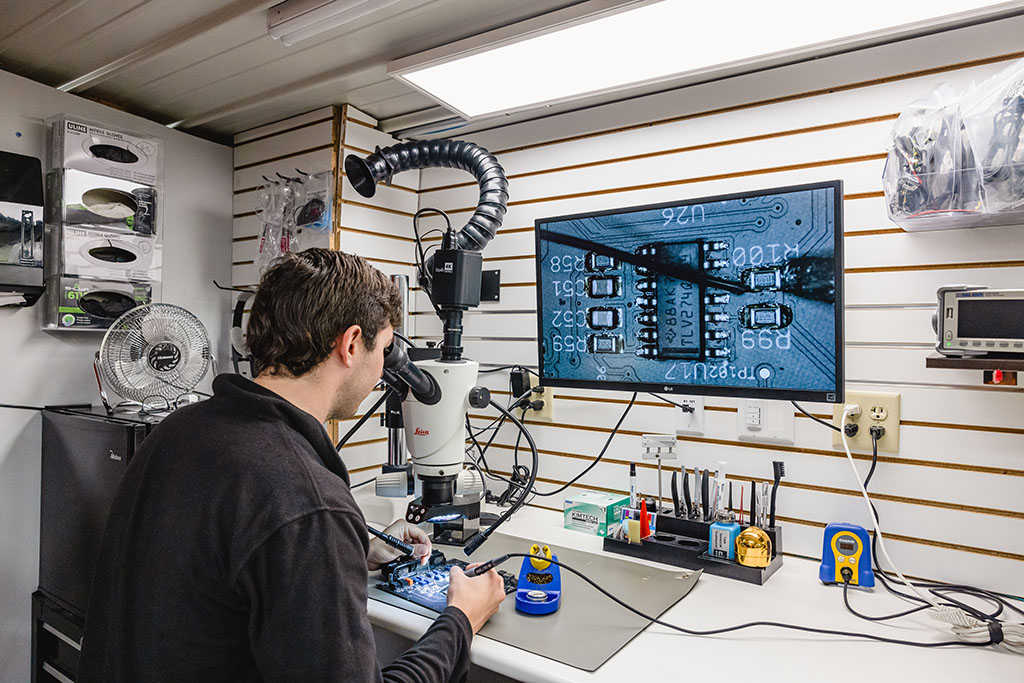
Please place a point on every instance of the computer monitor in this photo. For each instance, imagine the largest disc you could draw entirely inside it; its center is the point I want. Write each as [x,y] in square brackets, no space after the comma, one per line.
[736,295]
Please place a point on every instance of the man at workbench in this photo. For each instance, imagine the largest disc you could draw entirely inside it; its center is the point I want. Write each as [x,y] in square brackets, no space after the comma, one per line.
[234,550]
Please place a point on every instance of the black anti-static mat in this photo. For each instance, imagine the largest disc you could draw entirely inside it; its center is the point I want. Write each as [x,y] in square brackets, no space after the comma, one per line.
[588,628]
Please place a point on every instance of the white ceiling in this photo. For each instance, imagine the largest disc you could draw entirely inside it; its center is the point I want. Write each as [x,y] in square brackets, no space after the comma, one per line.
[211,65]
[210,68]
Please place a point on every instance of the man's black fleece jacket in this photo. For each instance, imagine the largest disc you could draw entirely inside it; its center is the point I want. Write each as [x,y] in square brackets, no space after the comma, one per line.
[234,551]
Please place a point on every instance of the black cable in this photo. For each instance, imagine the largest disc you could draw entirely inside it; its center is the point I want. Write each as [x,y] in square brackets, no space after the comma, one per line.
[476,541]
[14,406]
[425,282]
[600,455]
[939,589]
[688,409]
[773,624]
[364,418]
[846,600]
[408,341]
[816,419]
[519,439]
[363,483]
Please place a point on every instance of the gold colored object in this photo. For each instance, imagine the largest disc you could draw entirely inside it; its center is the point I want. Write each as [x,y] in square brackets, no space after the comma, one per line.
[753,548]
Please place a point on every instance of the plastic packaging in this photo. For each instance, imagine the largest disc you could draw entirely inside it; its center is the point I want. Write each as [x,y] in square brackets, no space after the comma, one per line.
[993,116]
[958,162]
[294,212]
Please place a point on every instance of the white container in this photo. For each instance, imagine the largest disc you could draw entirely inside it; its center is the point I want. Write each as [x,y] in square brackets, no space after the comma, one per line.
[86,146]
[109,255]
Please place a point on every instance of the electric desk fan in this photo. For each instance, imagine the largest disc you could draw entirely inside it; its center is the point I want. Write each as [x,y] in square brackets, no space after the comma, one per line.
[153,356]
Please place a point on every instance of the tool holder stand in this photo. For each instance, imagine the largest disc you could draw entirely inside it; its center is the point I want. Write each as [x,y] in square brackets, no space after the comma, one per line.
[684,543]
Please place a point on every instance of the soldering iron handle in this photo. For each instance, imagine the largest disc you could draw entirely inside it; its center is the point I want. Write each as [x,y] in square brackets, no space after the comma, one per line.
[486,566]
[392,541]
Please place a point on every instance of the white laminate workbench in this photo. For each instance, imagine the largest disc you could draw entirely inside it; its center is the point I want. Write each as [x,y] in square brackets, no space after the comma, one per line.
[767,655]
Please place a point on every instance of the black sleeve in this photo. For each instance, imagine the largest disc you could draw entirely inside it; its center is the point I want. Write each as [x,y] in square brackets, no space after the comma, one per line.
[306,589]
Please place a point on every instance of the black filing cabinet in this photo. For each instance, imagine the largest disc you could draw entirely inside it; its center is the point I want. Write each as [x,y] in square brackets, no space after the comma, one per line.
[85,453]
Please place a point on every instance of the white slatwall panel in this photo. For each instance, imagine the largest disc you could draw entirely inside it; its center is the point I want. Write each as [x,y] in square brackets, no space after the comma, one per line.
[302,142]
[952,497]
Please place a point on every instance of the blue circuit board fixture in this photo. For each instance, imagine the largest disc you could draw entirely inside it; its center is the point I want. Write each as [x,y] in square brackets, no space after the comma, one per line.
[427,585]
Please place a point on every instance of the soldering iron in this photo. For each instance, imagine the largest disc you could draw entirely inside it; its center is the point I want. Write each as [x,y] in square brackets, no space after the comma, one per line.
[394,542]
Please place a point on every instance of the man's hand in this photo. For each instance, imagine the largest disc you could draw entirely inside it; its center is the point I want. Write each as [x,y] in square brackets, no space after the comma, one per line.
[478,597]
[381,553]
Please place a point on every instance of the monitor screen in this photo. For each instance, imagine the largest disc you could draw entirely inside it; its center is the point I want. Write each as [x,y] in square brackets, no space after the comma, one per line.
[737,295]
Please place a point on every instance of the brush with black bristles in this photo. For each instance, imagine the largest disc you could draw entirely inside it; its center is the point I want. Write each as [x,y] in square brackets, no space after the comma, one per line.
[779,468]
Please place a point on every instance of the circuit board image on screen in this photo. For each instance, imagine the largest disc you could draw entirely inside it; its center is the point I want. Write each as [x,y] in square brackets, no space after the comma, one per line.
[738,295]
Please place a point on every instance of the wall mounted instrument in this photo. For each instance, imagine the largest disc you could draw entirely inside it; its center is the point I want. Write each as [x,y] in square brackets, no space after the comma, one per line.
[973,320]
[846,555]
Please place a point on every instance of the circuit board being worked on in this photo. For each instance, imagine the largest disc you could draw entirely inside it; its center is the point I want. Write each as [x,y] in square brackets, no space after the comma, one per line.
[737,293]
[427,585]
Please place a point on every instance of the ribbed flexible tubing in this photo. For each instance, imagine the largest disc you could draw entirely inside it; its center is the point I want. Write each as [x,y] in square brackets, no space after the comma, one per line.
[364,174]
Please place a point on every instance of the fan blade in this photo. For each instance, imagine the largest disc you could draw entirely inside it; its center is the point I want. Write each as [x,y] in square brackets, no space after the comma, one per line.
[154,328]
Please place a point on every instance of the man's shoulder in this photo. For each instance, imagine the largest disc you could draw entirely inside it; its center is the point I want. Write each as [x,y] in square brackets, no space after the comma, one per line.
[263,460]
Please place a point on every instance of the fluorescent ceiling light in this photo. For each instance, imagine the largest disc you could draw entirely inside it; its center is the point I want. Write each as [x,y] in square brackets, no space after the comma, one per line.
[615,45]
[297,20]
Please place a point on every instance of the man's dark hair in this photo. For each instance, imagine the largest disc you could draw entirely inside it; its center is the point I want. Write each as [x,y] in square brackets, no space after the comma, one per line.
[305,301]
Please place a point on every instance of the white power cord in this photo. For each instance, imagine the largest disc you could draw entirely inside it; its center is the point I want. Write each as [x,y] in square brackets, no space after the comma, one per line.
[964,626]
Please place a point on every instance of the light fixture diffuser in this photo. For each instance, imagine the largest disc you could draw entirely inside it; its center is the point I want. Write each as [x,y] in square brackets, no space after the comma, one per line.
[297,20]
[604,46]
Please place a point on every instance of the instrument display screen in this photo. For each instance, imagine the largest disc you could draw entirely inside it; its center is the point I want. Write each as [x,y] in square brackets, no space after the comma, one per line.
[990,318]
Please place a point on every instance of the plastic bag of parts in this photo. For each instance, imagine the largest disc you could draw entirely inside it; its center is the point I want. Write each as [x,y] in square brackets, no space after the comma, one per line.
[294,213]
[993,115]
[930,169]
[313,205]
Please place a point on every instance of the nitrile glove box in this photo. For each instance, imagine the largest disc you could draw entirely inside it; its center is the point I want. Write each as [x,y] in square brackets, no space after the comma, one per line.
[107,255]
[593,512]
[87,146]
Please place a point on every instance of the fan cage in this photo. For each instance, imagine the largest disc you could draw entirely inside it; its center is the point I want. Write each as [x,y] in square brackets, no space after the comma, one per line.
[155,351]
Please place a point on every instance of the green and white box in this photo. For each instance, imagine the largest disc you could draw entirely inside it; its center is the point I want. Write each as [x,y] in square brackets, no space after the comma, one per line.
[593,512]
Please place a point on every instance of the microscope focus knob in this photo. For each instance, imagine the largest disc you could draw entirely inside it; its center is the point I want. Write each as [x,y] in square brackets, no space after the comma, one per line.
[479,397]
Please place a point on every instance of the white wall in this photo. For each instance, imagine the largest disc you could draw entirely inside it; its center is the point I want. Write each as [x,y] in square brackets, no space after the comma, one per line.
[44,368]
[378,229]
[952,497]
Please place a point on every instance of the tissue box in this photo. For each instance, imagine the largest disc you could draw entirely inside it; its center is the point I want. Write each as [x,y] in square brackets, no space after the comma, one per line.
[593,512]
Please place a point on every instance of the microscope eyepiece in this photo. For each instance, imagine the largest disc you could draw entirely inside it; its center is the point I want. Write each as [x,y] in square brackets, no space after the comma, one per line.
[422,385]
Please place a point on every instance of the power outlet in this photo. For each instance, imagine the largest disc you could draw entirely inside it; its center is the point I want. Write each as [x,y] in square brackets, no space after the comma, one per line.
[545,414]
[876,408]
[690,421]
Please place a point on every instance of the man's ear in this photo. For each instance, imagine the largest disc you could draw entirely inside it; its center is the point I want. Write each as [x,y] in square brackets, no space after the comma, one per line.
[345,347]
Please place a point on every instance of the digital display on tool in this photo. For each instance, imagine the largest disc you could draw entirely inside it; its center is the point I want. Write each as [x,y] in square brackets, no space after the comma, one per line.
[846,555]
[737,295]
